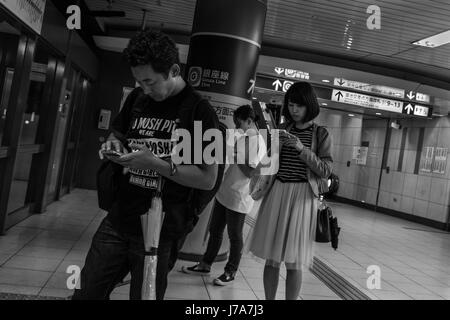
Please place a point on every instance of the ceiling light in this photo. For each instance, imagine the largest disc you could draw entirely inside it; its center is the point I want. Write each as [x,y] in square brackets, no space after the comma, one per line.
[378,114]
[324,104]
[325,80]
[434,41]
[351,115]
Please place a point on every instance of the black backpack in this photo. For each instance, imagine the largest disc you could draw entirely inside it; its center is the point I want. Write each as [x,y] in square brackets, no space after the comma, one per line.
[199,199]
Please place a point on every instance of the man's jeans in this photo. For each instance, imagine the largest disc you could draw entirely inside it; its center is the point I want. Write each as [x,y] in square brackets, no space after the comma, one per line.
[113,254]
[234,221]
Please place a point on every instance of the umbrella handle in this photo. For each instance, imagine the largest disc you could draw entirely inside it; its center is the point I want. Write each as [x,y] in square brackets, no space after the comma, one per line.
[206,236]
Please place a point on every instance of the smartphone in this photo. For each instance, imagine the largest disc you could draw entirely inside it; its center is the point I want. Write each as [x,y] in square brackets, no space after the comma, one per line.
[283,133]
[112,153]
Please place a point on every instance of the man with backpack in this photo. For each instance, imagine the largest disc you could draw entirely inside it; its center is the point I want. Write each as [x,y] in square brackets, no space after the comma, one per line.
[151,113]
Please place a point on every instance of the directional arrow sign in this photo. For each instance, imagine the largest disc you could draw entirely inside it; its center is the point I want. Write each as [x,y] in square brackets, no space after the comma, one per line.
[252,86]
[279,70]
[341,82]
[339,95]
[277,84]
[409,108]
[411,95]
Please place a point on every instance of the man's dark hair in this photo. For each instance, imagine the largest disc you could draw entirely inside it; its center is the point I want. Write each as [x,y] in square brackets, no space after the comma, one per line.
[153,48]
[245,112]
[301,93]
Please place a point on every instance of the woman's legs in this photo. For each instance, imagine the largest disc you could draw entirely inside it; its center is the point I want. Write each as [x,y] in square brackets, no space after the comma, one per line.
[293,283]
[271,277]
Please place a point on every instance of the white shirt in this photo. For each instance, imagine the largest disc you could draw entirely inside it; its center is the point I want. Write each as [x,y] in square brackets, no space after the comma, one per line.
[234,192]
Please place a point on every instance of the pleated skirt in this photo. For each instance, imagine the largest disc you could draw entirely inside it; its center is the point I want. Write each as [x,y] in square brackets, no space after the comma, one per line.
[285,226]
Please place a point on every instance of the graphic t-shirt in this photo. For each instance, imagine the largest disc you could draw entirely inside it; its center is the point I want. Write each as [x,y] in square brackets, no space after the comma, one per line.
[151,123]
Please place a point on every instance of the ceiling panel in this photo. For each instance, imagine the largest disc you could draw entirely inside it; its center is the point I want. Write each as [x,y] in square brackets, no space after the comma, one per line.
[321,26]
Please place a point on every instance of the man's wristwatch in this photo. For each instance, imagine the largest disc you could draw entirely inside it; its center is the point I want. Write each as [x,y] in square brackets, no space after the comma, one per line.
[173,167]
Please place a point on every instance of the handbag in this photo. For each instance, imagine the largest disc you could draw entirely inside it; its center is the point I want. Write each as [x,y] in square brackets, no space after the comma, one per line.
[323,231]
[327,228]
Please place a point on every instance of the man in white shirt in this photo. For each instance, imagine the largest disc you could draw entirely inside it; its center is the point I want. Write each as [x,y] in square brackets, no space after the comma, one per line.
[233,200]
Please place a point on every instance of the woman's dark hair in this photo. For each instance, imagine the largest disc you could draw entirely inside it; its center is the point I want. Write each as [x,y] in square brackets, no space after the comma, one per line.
[245,112]
[154,48]
[301,93]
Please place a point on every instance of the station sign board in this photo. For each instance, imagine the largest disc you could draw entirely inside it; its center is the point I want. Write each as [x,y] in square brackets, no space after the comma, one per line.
[367,101]
[291,73]
[378,89]
[378,103]
[30,12]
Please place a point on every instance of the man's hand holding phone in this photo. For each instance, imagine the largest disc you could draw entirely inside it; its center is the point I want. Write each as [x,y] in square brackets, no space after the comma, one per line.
[112,149]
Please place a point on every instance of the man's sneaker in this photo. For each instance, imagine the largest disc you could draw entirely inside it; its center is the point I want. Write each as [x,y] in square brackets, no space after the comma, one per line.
[224,279]
[195,270]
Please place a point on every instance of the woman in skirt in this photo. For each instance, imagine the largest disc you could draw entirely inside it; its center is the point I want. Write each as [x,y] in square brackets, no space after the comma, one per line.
[286,224]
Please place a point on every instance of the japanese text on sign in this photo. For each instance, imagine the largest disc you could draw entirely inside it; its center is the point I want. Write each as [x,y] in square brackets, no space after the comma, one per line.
[440,160]
[388,91]
[207,77]
[421,97]
[367,101]
[30,12]
[427,159]
[291,73]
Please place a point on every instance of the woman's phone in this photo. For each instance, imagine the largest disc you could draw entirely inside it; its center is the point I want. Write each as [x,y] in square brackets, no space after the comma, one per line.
[283,133]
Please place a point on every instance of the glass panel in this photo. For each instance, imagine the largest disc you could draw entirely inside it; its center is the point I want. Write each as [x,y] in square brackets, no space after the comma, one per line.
[34,105]
[9,74]
[59,147]
[19,186]
[9,40]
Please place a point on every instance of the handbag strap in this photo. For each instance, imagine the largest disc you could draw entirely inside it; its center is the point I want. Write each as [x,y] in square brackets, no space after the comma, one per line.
[317,138]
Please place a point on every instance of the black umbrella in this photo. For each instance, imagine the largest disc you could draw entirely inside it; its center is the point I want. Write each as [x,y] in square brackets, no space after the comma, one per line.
[334,230]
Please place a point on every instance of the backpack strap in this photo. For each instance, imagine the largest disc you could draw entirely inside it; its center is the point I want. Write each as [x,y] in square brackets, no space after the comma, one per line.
[188,111]
[137,95]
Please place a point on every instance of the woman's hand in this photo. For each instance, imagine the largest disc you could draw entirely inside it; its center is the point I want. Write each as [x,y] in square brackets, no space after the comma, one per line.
[295,143]
[290,140]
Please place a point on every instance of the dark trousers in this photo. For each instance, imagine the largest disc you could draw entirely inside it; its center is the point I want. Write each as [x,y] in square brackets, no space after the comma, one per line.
[234,221]
[113,255]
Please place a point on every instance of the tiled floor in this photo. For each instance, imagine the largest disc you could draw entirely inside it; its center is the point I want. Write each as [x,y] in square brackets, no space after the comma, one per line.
[414,264]
[35,254]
